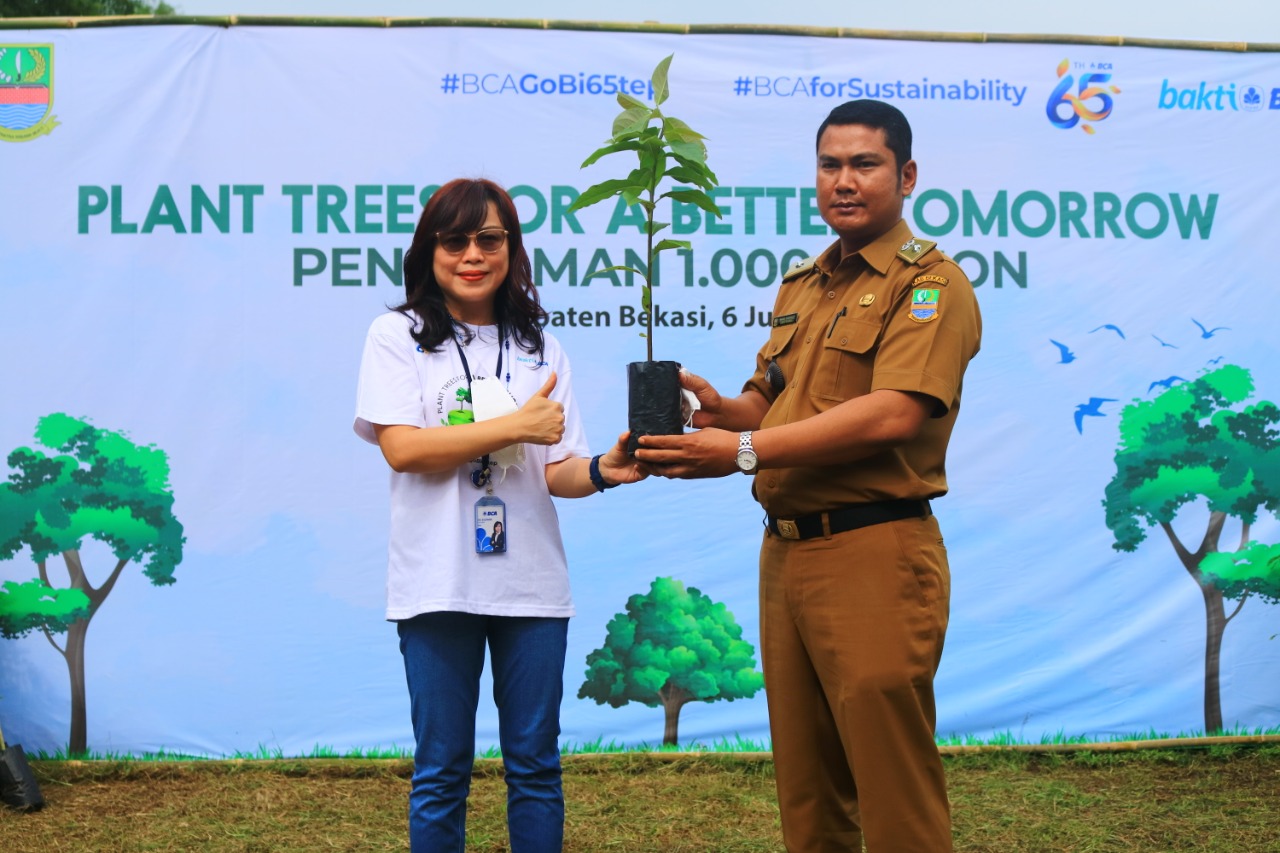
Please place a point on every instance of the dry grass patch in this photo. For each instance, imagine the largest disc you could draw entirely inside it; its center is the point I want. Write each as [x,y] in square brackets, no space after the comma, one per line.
[1223,799]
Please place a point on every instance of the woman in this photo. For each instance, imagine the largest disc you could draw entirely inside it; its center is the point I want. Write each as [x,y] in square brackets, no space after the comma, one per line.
[469,337]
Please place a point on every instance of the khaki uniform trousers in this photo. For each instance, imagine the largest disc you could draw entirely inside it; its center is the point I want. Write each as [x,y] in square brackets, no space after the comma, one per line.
[852,628]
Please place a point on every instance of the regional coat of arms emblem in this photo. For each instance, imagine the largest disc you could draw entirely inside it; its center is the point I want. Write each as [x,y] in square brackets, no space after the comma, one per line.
[26,91]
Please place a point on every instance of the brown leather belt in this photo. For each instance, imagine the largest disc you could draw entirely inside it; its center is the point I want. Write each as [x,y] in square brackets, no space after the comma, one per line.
[847,518]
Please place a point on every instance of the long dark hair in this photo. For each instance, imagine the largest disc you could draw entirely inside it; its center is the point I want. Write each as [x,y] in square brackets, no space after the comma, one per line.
[461,206]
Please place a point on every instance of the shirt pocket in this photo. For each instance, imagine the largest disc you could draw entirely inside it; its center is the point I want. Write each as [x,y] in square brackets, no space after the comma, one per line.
[847,361]
[779,340]
[778,352]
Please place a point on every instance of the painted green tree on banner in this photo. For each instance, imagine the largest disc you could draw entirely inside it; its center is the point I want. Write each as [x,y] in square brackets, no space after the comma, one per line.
[672,646]
[1199,443]
[34,605]
[95,485]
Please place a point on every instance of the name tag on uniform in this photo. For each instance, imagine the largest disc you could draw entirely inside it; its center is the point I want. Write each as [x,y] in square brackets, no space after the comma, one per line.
[786,319]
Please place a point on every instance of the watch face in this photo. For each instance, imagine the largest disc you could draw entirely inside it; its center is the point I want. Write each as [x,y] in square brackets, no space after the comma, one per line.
[747,460]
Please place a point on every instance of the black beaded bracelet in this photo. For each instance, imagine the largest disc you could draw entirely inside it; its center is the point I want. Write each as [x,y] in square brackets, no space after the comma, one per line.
[594,470]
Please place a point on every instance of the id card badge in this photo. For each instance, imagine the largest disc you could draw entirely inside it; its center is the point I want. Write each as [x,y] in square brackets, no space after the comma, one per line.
[491,525]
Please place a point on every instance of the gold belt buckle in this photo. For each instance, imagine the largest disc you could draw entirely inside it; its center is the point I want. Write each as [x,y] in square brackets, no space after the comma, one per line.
[787,529]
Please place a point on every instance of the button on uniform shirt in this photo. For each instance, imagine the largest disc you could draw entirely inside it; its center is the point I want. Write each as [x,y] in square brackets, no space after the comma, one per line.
[890,316]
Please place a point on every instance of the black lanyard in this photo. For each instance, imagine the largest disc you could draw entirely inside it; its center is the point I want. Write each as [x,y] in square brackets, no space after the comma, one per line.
[481,477]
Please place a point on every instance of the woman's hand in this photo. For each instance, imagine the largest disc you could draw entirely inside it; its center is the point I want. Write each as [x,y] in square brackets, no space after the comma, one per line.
[541,419]
[618,467]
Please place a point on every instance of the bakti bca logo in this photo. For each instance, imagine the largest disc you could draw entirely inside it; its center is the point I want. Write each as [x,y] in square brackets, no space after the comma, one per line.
[1090,102]
[26,91]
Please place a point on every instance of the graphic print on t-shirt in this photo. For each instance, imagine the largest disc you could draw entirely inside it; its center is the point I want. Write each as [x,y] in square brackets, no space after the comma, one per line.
[455,393]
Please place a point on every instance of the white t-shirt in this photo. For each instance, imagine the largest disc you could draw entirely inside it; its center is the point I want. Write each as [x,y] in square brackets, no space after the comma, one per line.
[433,564]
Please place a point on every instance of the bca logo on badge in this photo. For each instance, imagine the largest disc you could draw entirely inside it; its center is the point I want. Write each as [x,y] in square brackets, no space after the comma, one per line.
[26,91]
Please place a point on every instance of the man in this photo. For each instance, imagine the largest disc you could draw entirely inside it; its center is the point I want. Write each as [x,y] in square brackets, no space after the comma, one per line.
[844,426]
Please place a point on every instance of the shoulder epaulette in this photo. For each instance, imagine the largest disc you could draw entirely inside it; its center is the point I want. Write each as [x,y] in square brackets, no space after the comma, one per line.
[915,249]
[798,268]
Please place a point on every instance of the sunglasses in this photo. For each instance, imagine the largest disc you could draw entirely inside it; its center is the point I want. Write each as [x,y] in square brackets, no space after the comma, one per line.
[489,240]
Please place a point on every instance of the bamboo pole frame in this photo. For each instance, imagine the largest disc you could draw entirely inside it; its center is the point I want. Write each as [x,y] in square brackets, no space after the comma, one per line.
[72,23]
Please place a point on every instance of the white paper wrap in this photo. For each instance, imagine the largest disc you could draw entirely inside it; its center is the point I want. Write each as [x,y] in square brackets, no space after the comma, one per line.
[489,399]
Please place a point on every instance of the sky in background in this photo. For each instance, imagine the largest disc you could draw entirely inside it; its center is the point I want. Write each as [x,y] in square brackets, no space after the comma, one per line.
[1255,21]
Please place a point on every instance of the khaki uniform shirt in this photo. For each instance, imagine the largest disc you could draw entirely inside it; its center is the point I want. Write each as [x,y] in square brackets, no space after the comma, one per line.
[897,315]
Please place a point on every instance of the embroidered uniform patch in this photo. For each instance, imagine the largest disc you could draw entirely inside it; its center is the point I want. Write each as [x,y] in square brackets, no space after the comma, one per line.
[924,304]
[798,268]
[913,250]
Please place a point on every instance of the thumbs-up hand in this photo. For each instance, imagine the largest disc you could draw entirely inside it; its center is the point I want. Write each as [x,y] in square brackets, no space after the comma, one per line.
[547,387]
[542,419]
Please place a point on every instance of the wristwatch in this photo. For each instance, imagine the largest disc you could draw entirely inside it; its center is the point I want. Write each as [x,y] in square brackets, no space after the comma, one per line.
[747,460]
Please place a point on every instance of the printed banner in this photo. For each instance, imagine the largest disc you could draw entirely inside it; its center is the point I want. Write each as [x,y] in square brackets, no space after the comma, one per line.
[198,224]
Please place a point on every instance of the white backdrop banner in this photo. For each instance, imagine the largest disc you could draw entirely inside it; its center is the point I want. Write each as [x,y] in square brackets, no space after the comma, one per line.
[198,224]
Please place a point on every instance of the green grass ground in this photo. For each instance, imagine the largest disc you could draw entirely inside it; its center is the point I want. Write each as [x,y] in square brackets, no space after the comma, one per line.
[1205,798]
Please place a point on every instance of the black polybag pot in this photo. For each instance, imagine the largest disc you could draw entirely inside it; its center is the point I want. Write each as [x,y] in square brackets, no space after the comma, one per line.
[18,787]
[653,400]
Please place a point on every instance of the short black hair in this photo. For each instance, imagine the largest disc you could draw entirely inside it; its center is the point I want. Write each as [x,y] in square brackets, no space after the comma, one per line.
[876,115]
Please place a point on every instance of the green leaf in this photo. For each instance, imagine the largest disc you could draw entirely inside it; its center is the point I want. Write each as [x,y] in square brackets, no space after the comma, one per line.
[655,227]
[630,121]
[599,192]
[653,157]
[686,175]
[646,297]
[643,134]
[661,90]
[640,180]
[677,131]
[613,269]
[695,151]
[628,102]
[697,197]
[629,145]
[650,171]
[672,244]
[697,166]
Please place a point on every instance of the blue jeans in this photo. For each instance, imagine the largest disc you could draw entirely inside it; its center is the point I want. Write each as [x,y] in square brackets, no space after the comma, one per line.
[443,658]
